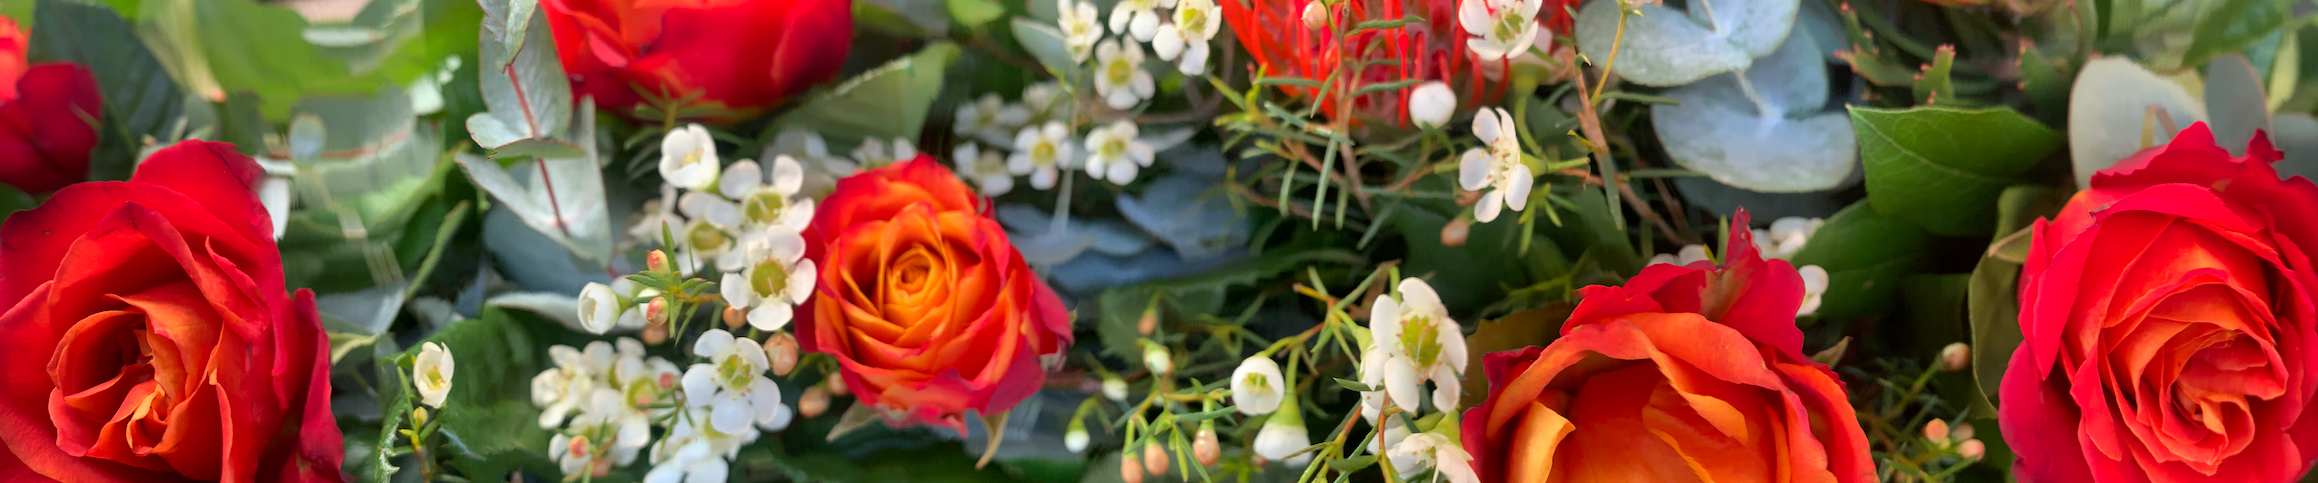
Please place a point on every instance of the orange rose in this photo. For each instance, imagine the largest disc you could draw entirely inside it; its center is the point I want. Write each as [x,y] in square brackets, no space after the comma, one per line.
[927,307]
[1686,373]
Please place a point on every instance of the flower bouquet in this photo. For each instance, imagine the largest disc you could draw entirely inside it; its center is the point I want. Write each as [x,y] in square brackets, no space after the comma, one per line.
[1060,241]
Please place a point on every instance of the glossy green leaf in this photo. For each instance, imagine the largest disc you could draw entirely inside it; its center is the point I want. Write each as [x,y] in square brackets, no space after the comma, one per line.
[890,101]
[1866,254]
[1994,305]
[140,99]
[2231,25]
[1942,168]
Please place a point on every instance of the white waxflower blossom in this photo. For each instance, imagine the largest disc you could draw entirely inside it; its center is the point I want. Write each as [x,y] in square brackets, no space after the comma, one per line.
[1423,451]
[872,154]
[625,428]
[1041,151]
[432,370]
[1689,254]
[1138,17]
[987,169]
[700,242]
[1283,434]
[732,384]
[1119,75]
[1786,236]
[694,462]
[1115,154]
[688,158]
[1414,341]
[1257,387]
[1814,288]
[1079,28]
[1431,104]
[990,119]
[560,390]
[821,169]
[752,203]
[1500,28]
[599,308]
[1395,430]
[777,279]
[1185,41]
[572,455]
[1496,165]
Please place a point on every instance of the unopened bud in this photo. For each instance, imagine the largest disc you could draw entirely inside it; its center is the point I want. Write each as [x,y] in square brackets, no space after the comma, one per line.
[655,334]
[656,261]
[1158,360]
[1155,459]
[1149,323]
[1130,469]
[734,317]
[1455,233]
[1315,16]
[1076,439]
[837,386]
[1204,447]
[1115,388]
[781,351]
[1937,432]
[602,467]
[1955,357]
[1972,449]
[656,311]
[814,402]
[418,417]
[1962,431]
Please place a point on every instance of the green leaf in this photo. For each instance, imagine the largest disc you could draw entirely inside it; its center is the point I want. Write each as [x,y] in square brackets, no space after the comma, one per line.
[489,427]
[13,200]
[974,13]
[244,45]
[1045,42]
[1866,254]
[1512,332]
[1119,308]
[2233,96]
[529,97]
[562,198]
[1763,129]
[1666,47]
[2231,25]
[1994,304]
[2109,109]
[140,99]
[1942,168]
[2021,205]
[890,101]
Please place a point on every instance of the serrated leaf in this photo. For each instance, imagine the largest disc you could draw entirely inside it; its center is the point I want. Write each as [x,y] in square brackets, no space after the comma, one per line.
[2108,107]
[890,101]
[1667,47]
[1765,128]
[1942,168]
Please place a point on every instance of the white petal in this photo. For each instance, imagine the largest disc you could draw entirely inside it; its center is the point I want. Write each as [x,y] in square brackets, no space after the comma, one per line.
[740,179]
[1486,50]
[764,399]
[1043,179]
[1474,16]
[735,290]
[1448,390]
[713,344]
[1402,382]
[709,471]
[1814,279]
[1491,202]
[1517,189]
[771,316]
[788,176]
[699,383]
[1167,42]
[1473,168]
[1120,15]
[1141,153]
[1122,172]
[1693,254]
[802,279]
[1384,321]
[729,414]
[1145,25]
[1485,126]
[1194,60]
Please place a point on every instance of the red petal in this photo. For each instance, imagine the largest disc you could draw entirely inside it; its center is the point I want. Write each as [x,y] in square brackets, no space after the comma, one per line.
[45,137]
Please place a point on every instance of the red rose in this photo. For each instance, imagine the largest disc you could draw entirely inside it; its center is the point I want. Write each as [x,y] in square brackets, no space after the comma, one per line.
[1686,373]
[149,336]
[2167,320]
[48,118]
[928,308]
[741,55]
[1275,35]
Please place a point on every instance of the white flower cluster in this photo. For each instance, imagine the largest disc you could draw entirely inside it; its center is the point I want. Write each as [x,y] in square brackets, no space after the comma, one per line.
[1044,147]
[1413,341]
[747,221]
[603,308]
[602,402]
[1183,38]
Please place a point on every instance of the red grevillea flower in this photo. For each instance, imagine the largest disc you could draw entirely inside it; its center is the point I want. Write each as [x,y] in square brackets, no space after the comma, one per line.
[1274,32]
